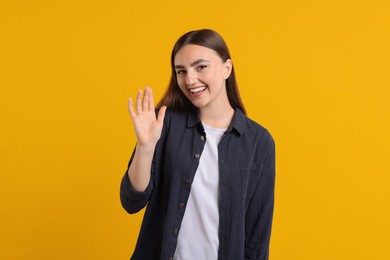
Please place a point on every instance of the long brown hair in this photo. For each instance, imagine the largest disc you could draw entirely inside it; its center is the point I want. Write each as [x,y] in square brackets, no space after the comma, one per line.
[173,97]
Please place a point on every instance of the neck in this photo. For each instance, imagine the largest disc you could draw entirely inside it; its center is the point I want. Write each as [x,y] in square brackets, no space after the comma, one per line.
[218,117]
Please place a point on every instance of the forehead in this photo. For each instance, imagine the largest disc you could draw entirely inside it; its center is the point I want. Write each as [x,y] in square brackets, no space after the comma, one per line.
[192,52]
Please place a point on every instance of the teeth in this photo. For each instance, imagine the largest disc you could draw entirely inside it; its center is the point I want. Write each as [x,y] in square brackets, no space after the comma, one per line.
[196,90]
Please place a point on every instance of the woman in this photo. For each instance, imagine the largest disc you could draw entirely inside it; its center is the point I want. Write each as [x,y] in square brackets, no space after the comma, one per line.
[205,171]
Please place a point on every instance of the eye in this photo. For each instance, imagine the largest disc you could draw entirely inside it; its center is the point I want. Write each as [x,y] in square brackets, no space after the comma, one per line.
[202,67]
[180,72]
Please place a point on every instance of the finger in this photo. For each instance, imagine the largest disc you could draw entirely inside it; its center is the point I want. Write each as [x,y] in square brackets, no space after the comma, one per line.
[138,102]
[131,109]
[145,101]
[151,100]
[161,114]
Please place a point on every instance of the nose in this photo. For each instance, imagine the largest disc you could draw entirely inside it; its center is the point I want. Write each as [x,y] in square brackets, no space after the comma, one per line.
[190,78]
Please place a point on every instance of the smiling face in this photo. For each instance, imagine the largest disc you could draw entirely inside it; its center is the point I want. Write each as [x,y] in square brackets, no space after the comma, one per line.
[201,75]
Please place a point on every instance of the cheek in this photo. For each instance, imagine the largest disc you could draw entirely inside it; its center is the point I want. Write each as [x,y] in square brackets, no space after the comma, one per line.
[211,76]
[181,83]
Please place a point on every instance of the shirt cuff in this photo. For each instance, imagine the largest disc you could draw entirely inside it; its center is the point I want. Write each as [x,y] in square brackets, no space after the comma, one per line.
[131,193]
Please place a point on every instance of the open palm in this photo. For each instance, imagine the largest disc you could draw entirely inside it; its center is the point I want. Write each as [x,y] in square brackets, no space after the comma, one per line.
[147,127]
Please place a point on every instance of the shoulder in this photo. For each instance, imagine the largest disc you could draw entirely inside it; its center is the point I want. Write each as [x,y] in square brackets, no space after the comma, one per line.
[256,127]
[175,116]
[176,113]
[177,120]
[252,124]
[259,134]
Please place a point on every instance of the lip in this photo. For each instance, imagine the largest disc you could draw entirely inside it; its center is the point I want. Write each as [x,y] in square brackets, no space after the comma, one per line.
[201,88]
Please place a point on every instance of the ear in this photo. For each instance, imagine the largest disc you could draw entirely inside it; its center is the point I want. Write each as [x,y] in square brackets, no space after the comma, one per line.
[228,66]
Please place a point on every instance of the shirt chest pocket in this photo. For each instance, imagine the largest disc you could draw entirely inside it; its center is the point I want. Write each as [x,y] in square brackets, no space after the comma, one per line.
[249,179]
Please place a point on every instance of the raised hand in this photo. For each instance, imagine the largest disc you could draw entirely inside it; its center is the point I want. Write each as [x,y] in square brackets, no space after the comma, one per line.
[147,127]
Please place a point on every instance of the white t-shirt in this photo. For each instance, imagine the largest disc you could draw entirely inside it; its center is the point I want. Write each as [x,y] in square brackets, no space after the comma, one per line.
[198,235]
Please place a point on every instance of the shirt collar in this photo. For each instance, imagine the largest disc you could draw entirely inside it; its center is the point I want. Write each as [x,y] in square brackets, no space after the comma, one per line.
[238,121]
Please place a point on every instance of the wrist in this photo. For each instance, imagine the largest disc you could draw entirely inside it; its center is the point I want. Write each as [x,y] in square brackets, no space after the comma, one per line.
[146,148]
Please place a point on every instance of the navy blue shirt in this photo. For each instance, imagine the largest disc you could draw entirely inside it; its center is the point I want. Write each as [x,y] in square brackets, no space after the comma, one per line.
[246,190]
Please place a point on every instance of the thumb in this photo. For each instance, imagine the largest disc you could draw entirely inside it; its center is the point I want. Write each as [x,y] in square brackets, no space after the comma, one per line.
[161,114]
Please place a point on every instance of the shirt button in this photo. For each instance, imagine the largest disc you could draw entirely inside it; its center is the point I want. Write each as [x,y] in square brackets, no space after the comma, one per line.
[175,231]
[197,156]
[181,205]
[202,138]
[188,181]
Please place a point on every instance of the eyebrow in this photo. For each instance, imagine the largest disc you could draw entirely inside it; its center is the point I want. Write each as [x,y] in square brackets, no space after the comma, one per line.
[192,64]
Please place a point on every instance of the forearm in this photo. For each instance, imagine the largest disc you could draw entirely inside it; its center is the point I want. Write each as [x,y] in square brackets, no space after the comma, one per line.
[140,168]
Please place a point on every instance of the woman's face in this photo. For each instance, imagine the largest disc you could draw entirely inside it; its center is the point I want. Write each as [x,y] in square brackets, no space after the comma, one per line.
[201,75]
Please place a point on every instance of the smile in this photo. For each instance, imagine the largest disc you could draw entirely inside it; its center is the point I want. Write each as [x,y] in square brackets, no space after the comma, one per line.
[198,89]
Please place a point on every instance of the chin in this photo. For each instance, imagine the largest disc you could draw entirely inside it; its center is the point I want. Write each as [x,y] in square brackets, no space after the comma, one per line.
[199,104]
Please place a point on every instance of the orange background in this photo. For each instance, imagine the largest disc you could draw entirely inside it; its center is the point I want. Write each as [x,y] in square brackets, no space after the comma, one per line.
[315,73]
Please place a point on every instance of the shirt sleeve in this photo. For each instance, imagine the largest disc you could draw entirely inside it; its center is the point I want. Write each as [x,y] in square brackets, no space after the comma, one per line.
[260,209]
[132,200]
